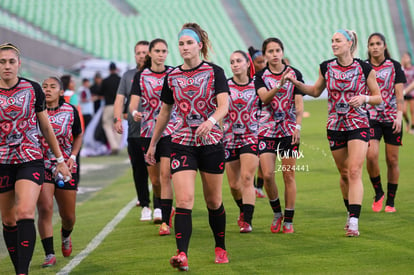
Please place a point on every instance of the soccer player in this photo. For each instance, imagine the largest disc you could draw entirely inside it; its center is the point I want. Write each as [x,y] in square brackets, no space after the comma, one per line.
[65,122]
[406,62]
[385,121]
[279,130]
[21,159]
[349,82]
[240,137]
[199,90]
[146,88]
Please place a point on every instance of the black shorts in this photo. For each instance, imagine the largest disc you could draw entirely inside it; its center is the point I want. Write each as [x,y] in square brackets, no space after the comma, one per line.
[163,149]
[280,146]
[408,97]
[70,185]
[208,158]
[10,173]
[339,139]
[379,129]
[234,154]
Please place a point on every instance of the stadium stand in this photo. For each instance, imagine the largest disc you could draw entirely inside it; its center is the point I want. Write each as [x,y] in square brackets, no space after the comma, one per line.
[307,31]
[100,29]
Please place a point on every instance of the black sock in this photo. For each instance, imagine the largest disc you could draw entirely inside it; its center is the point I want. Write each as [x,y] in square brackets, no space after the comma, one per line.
[65,233]
[183,228]
[48,245]
[289,213]
[248,210]
[217,221]
[157,202]
[276,206]
[10,238]
[239,204]
[259,183]
[392,190]
[26,239]
[354,210]
[346,202]
[376,183]
[166,205]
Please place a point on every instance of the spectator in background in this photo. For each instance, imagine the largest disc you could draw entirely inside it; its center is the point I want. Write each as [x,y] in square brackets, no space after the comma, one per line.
[108,90]
[86,102]
[136,155]
[96,92]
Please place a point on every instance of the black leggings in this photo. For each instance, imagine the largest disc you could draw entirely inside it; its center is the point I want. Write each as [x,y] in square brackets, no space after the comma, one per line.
[139,170]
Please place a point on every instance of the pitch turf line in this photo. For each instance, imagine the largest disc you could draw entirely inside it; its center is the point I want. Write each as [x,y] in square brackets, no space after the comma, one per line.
[98,239]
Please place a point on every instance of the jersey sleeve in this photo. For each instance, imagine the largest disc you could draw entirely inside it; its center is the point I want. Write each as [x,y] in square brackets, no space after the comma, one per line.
[399,73]
[40,104]
[76,127]
[122,88]
[136,87]
[166,93]
[323,67]
[299,77]
[220,81]
[258,81]
[366,68]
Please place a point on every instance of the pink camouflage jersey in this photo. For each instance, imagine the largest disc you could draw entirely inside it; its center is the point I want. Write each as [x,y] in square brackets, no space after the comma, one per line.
[342,84]
[148,86]
[278,117]
[194,94]
[66,125]
[241,123]
[19,133]
[388,74]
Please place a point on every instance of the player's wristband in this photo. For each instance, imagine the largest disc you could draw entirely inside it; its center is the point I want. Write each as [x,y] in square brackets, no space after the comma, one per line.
[366,99]
[134,112]
[60,159]
[73,157]
[298,126]
[212,120]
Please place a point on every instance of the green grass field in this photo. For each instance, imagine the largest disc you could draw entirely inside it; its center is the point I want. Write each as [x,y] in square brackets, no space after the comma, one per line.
[318,245]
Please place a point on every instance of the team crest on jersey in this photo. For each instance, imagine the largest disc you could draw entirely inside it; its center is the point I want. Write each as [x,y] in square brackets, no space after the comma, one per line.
[262,145]
[175,163]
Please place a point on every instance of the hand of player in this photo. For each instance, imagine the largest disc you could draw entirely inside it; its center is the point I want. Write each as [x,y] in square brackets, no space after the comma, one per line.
[150,155]
[64,170]
[357,101]
[204,128]
[118,127]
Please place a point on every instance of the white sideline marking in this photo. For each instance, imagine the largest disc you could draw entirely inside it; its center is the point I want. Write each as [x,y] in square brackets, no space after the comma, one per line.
[98,239]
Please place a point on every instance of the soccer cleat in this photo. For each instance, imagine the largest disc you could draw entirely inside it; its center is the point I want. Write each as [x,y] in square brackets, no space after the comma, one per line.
[157,216]
[171,216]
[390,209]
[240,219]
[145,214]
[50,260]
[66,246]
[164,229]
[179,261]
[259,193]
[221,256]
[277,222]
[352,233]
[245,228]
[377,204]
[288,228]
